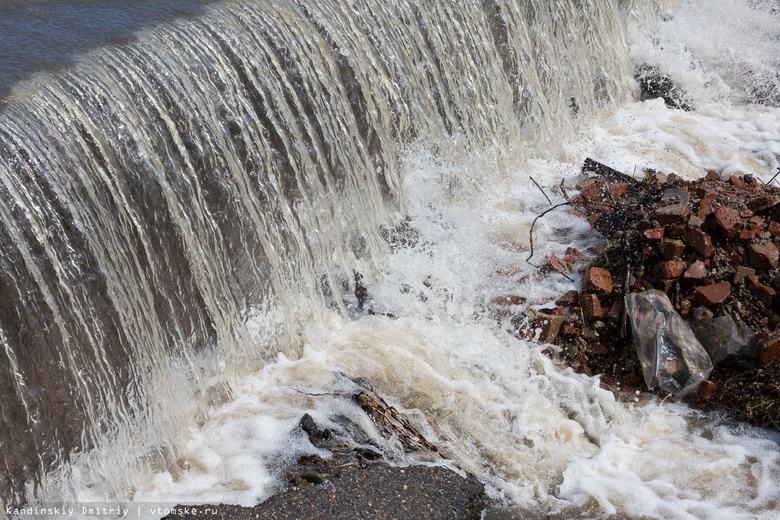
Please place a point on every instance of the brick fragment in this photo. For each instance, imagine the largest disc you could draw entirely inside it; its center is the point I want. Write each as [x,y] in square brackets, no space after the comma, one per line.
[700,241]
[669,270]
[774,228]
[696,273]
[550,325]
[597,280]
[763,256]
[763,203]
[591,307]
[509,300]
[742,273]
[727,221]
[707,195]
[746,235]
[570,298]
[768,349]
[762,291]
[712,294]
[652,235]
[674,214]
[672,248]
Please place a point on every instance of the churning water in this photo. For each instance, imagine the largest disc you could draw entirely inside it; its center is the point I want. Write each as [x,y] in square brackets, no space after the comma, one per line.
[186,208]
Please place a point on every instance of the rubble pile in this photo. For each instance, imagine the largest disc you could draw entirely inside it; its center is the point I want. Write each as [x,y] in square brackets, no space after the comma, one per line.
[711,246]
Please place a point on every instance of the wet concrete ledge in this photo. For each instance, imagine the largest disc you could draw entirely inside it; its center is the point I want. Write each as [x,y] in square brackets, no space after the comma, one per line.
[364,491]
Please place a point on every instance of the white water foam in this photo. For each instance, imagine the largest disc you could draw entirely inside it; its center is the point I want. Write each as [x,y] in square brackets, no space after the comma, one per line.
[542,439]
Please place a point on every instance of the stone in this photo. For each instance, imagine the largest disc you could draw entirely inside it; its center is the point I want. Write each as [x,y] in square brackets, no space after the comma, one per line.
[727,221]
[570,298]
[763,257]
[696,273]
[672,248]
[768,348]
[674,214]
[669,270]
[695,222]
[712,176]
[700,241]
[591,307]
[598,280]
[712,294]
[677,195]
[743,272]
[745,213]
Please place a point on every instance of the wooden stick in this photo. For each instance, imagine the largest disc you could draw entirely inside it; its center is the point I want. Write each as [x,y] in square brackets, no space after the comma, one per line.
[543,213]
[540,189]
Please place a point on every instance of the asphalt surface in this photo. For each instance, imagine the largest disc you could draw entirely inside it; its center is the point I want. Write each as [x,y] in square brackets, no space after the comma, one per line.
[363,492]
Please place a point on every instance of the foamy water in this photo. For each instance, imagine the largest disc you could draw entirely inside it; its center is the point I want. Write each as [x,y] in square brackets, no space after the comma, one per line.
[542,439]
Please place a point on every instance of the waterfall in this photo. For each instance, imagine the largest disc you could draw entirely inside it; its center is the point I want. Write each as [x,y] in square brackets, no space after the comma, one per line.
[244,163]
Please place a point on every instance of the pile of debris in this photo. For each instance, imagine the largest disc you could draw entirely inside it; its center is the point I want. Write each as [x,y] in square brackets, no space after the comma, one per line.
[710,246]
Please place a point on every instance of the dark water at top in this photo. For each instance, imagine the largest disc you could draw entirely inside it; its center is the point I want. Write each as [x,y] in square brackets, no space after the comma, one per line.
[45,35]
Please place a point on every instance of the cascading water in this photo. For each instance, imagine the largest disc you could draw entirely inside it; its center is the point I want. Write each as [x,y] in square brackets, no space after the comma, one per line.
[162,198]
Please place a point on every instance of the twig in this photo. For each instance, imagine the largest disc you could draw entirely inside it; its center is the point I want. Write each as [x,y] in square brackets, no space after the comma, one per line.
[770,180]
[540,189]
[531,231]
[563,190]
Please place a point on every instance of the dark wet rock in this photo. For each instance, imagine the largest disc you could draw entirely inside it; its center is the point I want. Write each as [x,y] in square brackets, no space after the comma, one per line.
[653,84]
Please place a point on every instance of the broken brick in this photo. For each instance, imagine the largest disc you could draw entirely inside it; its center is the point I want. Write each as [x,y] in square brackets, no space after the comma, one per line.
[674,214]
[696,273]
[768,349]
[570,298]
[713,294]
[597,280]
[672,248]
[591,307]
[653,235]
[669,270]
[763,257]
[700,241]
[727,221]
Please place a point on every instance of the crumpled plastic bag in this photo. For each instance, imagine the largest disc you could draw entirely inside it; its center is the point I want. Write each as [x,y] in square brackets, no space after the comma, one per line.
[669,352]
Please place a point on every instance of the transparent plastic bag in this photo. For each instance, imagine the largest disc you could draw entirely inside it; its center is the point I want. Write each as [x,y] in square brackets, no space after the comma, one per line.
[669,352]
